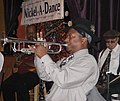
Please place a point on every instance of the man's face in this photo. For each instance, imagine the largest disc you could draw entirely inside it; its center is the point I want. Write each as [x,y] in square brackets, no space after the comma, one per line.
[74,41]
[111,42]
[31,33]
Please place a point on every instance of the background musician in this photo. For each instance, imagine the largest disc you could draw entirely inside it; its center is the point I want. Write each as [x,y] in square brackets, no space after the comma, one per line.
[113,65]
[25,78]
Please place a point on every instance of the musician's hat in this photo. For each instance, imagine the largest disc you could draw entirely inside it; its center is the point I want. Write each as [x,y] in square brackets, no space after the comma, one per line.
[85,28]
[111,34]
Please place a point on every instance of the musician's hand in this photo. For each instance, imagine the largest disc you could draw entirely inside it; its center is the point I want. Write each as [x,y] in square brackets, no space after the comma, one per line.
[39,50]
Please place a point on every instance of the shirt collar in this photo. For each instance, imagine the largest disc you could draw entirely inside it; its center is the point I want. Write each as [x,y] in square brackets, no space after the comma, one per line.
[80,52]
[115,49]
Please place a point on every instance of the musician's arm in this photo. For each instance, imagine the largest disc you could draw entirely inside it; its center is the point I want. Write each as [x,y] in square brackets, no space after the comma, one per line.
[41,69]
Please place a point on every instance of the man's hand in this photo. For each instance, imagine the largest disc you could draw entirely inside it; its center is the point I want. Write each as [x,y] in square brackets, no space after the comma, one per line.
[39,50]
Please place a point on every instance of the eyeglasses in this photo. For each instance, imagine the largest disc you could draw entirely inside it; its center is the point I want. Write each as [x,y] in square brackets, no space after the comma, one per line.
[111,41]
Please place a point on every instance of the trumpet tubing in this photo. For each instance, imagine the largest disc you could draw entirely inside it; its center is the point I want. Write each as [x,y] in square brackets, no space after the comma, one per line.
[52,46]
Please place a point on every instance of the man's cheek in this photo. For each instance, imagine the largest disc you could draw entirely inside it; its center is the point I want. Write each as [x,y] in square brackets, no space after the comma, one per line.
[74,45]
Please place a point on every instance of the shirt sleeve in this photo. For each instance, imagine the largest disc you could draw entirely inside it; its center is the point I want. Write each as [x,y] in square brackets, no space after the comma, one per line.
[40,68]
[1,61]
[75,75]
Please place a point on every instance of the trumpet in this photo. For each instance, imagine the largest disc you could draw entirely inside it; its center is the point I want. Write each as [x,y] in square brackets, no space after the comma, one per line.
[16,45]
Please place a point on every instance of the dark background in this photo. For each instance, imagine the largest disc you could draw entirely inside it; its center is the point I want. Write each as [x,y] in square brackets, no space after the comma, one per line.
[104,14]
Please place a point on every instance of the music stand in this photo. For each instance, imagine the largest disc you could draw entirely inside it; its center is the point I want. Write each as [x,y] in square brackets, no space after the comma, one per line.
[115,79]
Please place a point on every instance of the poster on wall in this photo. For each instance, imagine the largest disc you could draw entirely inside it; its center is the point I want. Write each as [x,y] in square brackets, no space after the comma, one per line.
[37,11]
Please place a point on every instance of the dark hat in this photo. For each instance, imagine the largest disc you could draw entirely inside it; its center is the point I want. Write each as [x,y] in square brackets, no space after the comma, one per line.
[84,27]
[111,34]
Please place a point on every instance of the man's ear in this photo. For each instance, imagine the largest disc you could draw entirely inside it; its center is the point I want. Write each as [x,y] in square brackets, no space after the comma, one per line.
[84,39]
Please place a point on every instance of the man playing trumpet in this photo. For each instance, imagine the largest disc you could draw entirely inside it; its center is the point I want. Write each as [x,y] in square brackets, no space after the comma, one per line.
[74,76]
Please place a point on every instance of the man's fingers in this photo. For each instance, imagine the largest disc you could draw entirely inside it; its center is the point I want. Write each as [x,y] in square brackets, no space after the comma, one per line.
[32,47]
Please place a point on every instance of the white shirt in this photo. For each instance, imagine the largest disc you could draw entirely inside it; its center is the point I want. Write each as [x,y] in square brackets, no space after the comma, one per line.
[74,81]
[1,61]
[114,61]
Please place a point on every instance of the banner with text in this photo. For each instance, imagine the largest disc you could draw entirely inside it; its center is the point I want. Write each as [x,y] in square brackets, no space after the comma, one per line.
[36,11]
